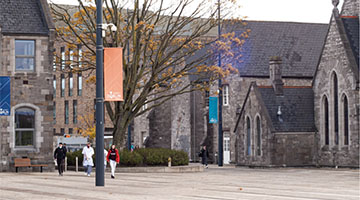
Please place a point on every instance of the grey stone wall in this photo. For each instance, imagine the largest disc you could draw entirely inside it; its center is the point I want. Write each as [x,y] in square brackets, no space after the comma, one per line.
[28,89]
[334,60]
[350,8]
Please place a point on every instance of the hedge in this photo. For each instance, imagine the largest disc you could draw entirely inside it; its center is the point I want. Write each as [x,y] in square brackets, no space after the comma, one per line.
[141,157]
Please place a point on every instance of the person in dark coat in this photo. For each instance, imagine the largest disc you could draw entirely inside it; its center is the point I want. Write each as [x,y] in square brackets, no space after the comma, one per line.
[59,156]
[63,161]
[204,154]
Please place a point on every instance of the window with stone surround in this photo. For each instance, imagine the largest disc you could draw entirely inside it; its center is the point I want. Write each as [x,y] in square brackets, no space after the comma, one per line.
[79,84]
[24,55]
[62,76]
[258,136]
[71,58]
[346,120]
[75,111]
[66,112]
[226,95]
[248,136]
[336,107]
[62,50]
[326,120]
[24,126]
[71,84]
[79,55]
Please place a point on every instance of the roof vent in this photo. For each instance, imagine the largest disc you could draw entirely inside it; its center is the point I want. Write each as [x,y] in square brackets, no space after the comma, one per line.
[279,114]
[279,111]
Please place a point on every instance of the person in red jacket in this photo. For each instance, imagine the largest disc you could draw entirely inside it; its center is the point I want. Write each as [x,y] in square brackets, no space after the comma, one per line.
[113,158]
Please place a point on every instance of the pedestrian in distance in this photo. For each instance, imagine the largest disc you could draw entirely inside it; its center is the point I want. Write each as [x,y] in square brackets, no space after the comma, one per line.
[59,156]
[113,158]
[88,162]
[105,157]
[63,162]
[204,154]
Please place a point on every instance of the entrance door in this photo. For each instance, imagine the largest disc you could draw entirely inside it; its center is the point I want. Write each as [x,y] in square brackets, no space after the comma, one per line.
[227,150]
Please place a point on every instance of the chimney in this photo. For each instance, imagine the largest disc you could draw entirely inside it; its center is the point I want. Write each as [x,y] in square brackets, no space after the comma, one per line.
[275,75]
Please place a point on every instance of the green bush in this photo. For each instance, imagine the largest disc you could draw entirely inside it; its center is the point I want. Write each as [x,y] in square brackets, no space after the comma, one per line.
[128,158]
[71,157]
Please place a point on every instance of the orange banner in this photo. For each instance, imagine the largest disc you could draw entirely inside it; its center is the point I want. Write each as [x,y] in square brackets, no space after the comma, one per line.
[113,74]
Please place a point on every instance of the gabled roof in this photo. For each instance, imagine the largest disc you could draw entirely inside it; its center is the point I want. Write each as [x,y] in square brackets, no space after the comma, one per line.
[351,24]
[24,17]
[296,107]
[298,44]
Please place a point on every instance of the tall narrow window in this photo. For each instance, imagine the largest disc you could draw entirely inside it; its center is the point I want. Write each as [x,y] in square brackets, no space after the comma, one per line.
[62,131]
[80,55]
[24,55]
[62,50]
[62,85]
[54,62]
[75,111]
[54,112]
[71,57]
[24,126]
[258,136]
[326,121]
[226,95]
[66,110]
[70,131]
[207,95]
[248,136]
[71,84]
[54,85]
[79,84]
[336,112]
[346,121]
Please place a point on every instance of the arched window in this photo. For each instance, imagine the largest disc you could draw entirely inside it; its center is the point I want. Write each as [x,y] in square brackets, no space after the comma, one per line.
[248,136]
[326,120]
[336,112]
[258,136]
[346,121]
[24,126]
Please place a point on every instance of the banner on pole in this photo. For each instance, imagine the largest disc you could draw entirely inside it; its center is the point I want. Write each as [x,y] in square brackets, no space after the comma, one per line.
[4,95]
[113,74]
[213,110]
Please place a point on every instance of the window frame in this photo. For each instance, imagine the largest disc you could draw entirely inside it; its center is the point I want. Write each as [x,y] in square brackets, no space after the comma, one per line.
[63,85]
[225,94]
[66,112]
[26,56]
[75,109]
[79,84]
[25,129]
[70,84]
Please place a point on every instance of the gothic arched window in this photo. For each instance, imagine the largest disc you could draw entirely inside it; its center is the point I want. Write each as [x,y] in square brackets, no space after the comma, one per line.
[248,136]
[326,120]
[346,121]
[336,112]
[258,136]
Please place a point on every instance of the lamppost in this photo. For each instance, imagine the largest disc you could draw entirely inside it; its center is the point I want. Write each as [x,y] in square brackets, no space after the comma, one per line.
[220,136]
[100,33]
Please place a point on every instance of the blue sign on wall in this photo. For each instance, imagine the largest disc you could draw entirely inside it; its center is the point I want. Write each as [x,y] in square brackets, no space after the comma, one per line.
[4,95]
[213,110]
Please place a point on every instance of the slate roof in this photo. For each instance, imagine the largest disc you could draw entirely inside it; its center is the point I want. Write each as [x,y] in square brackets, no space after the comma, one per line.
[22,17]
[351,25]
[297,109]
[298,44]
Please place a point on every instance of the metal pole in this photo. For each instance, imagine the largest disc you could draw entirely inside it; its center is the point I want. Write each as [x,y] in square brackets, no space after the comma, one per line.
[220,137]
[99,98]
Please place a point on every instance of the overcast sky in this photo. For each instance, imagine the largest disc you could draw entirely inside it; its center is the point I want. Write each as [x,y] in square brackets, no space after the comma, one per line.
[318,11]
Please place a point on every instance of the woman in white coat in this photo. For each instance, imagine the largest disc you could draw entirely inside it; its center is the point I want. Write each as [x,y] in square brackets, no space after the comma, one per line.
[88,162]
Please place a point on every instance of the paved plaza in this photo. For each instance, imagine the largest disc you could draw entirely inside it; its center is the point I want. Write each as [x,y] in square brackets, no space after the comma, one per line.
[227,183]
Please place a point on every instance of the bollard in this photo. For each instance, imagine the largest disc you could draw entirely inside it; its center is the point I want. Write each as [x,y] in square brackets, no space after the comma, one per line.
[169,162]
[65,169]
[76,164]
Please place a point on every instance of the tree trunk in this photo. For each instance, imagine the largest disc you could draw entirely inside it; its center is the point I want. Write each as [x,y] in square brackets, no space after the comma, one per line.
[119,133]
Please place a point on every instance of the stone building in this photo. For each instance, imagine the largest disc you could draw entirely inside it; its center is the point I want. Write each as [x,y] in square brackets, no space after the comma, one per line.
[26,44]
[317,125]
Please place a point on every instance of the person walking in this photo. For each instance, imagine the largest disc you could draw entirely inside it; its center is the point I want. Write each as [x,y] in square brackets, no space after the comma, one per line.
[204,156]
[113,158]
[88,163]
[59,156]
[63,161]
[105,156]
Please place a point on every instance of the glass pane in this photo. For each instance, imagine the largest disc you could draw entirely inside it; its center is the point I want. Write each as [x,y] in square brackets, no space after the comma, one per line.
[24,138]
[24,63]
[24,47]
[25,118]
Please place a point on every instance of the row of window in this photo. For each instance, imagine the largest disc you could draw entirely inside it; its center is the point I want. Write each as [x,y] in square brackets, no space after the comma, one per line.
[70,84]
[66,112]
[250,138]
[335,125]
[225,96]
[70,58]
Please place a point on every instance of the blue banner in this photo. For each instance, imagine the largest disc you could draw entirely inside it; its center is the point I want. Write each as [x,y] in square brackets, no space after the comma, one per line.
[213,110]
[4,95]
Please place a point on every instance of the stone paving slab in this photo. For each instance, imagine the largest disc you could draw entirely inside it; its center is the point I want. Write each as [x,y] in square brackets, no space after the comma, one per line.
[226,183]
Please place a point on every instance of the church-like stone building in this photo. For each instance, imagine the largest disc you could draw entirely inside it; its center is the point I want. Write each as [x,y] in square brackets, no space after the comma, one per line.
[26,43]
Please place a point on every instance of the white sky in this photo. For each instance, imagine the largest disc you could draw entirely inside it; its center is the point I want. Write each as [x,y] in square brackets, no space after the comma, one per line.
[318,11]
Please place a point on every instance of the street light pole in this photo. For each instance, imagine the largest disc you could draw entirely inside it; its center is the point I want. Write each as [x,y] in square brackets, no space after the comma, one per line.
[99,97]
[220,136]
